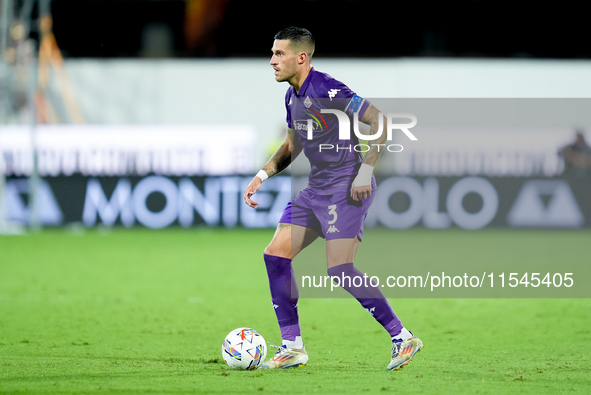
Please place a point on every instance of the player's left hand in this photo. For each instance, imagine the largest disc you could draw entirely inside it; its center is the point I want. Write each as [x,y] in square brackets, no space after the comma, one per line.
[360,193]
[361,188]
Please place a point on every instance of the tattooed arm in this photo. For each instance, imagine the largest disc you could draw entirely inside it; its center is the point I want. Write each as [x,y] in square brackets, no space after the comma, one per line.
[282,158]
[361,188]
[371,118]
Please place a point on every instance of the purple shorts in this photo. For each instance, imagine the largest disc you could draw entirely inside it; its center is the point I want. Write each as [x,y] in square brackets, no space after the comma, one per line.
[335,216]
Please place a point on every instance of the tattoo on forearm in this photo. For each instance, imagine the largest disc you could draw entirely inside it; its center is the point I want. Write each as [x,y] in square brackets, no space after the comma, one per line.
[278,162]
[282,157]
[376,146]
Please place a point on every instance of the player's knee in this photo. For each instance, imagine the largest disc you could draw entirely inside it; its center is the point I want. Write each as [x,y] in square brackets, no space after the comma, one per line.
[277,249]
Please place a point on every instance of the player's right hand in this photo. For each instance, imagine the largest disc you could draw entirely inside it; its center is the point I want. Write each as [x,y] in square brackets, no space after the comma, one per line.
[250,190]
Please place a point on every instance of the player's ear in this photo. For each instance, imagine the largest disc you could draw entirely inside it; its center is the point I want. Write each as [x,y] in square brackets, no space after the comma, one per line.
[302,57]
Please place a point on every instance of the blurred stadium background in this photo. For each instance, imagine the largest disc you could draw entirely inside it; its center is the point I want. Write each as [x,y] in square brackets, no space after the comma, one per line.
[155,113]
[150,114]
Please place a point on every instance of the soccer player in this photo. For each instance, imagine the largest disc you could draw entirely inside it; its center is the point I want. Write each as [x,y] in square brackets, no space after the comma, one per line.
[333,205]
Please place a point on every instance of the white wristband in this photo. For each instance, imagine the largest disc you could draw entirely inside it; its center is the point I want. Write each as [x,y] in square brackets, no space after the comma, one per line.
[364,176]
[262,175]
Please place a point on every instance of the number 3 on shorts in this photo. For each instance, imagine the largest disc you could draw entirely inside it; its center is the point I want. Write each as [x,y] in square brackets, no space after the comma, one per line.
[332,210]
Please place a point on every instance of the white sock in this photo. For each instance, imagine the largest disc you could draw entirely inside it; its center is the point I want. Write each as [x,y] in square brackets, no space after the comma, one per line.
[296,344]
[403,335]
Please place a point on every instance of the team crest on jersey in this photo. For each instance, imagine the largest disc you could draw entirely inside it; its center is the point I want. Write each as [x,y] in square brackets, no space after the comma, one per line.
[307,102]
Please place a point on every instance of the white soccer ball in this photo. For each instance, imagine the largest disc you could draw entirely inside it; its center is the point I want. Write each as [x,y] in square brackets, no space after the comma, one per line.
[244,349]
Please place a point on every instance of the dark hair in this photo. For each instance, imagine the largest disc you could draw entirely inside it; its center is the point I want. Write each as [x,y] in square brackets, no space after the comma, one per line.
[299,36]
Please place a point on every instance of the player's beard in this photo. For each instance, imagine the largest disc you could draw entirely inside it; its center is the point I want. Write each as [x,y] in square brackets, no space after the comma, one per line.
[284,75]
[280,77]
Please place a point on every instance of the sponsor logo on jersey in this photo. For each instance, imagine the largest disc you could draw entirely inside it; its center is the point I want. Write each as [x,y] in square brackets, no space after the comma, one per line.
[302,124]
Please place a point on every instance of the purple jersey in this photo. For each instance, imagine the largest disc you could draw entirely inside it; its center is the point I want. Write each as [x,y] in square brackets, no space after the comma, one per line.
[334,169]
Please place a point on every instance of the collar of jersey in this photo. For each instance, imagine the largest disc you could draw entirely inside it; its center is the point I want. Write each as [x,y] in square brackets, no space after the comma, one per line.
[304,87]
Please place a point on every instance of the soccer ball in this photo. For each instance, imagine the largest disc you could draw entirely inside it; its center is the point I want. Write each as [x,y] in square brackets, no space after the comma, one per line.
[244,349]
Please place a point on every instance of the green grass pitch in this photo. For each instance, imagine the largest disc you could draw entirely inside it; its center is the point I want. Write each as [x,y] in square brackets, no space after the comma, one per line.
[141,311]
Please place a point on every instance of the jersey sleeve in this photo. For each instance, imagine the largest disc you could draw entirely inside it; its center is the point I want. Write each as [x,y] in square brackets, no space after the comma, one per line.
[288,108]
[341,97]
[357,104]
